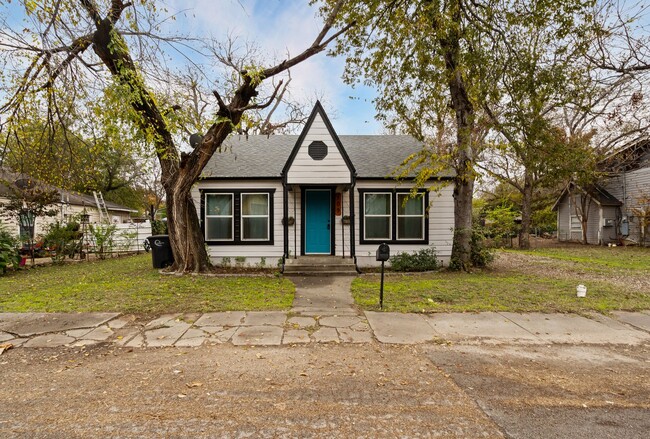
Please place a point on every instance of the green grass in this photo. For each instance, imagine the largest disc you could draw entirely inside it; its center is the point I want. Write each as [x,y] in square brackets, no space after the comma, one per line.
[130,285]
[515,290]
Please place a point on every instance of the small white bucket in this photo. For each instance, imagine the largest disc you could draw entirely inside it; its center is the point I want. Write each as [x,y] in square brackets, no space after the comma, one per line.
[581,290]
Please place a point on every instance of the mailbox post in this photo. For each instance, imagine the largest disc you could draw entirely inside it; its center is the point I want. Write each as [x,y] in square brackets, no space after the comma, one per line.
[383,254]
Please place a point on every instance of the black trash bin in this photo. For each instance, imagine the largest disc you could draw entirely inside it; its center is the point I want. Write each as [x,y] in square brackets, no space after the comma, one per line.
[161,251]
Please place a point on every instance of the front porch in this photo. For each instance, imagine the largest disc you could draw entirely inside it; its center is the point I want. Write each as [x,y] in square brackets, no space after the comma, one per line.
[317,265]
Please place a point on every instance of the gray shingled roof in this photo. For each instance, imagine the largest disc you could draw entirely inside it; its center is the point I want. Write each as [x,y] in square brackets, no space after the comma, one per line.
[8,177]
[601,196]
[265,156]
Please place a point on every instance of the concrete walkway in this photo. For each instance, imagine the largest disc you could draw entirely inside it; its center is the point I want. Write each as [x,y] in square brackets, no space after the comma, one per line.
[323,312]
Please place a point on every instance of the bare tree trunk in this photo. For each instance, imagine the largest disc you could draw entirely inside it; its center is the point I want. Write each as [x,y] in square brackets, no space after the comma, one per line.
[185,234]
[526,212]
[461,251]
[585,206]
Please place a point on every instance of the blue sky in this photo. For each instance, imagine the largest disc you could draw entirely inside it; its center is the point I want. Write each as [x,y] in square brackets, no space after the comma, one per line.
[279,26]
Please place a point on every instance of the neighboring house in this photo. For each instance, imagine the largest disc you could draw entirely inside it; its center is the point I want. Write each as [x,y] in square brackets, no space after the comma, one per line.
[603,212]
[70,206]
[617,203]
[268,198]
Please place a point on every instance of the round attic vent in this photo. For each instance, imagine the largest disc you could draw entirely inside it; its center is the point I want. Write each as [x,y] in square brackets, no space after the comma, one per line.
[317,150]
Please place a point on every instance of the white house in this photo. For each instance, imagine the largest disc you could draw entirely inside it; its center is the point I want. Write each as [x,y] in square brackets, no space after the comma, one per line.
[70,206]
[615,205]
[276,198]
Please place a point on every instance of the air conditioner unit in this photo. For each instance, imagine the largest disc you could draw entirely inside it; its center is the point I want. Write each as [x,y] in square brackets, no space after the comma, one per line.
[608,222]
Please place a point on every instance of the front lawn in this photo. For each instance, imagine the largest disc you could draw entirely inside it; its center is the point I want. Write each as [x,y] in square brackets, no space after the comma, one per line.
[598,259]
[537,281]
[130,285]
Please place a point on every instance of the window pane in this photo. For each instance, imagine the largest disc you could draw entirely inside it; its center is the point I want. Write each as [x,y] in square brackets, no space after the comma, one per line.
[219,204]
[255,204]
[377,228]
[413,205]
[409,228]
[377,204]
[218,228]
[255,228]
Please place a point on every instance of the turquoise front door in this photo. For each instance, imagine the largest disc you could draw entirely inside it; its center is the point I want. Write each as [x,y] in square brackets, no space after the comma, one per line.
[317,221]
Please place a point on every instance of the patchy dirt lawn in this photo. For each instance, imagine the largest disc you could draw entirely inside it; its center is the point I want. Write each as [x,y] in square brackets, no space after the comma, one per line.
[626,279]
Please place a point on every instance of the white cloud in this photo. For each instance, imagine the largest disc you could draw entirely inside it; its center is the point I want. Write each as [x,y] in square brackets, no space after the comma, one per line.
[278,27]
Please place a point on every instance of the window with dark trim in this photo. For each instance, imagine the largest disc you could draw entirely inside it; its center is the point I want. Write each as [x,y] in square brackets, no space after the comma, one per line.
[393,216]
[219,217]
[377,215]
[255,217]
[410,217]
[237,216]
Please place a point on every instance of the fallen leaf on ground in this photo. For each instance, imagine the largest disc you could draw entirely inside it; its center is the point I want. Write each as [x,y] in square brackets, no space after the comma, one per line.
[194,384]
[5,347]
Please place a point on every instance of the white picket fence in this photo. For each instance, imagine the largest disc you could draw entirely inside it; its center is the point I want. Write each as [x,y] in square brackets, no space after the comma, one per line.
[127,238]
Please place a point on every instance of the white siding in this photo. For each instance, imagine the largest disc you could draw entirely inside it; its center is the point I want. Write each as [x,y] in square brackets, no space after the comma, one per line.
[593,223]
[608,234]
[252,253]
[343,230]
[596,233]
[295,211]
[629,187]
[563,219]
[441,224]
[64,211]
[331,170]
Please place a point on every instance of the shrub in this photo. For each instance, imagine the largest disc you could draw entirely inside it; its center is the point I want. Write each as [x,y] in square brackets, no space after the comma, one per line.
[421,260]
[8,251]
[481,255]
[65,240]
[104,239]
[501,220]
[158,227]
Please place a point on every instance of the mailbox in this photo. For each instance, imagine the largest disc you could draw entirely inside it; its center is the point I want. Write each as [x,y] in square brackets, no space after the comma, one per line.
[383,252]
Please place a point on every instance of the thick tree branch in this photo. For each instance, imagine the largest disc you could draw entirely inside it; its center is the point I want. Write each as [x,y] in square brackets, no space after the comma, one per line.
[261,106]
[317,46]
[117,7]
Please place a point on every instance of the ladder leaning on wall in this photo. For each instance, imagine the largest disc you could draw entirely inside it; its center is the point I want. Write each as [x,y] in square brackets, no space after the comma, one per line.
[101,206]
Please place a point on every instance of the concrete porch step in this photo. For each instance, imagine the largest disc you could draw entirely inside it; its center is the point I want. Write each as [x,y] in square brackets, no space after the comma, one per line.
[319,260]
[320,266]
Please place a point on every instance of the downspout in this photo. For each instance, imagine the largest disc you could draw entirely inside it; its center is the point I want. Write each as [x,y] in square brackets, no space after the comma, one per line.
[353,252]
[624,194]
[342,227]
[285,220]
[295,226]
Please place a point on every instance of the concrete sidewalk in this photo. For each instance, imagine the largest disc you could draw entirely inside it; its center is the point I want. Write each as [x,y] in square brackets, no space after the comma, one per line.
[282,328]
[504,327]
